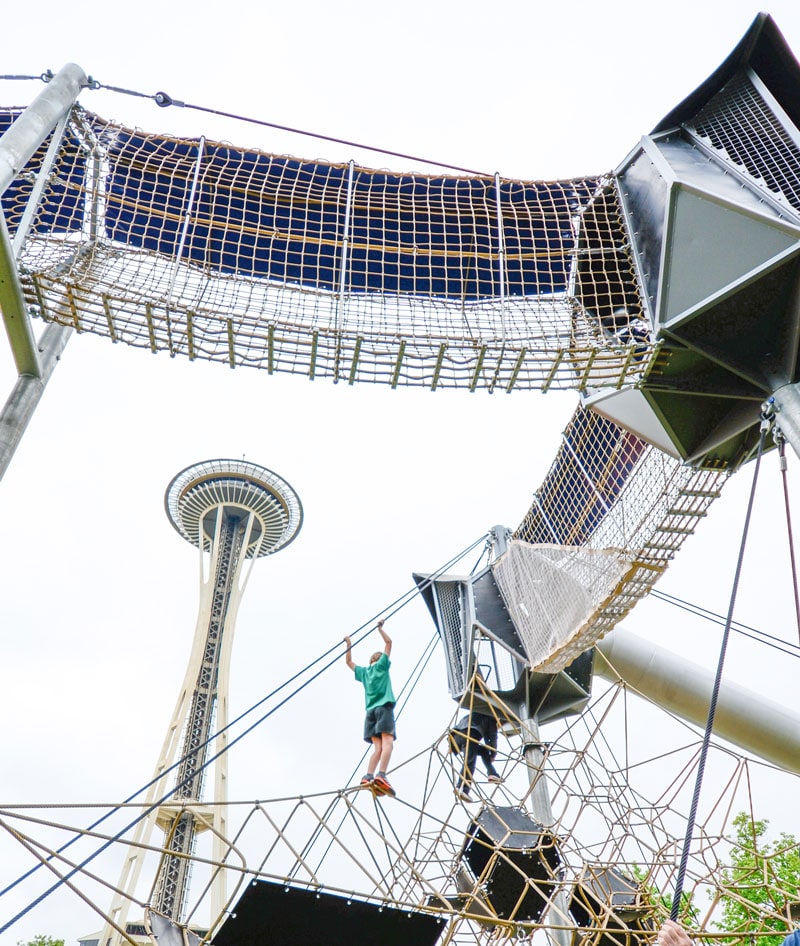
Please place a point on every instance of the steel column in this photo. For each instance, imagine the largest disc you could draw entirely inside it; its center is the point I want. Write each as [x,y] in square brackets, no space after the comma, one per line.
[24,397]
[535,759]
[17,146]
[786,402]
[19,143]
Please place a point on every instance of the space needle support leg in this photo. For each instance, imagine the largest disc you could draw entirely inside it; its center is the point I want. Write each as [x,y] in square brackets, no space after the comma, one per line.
[533,752]
[786,404]
[17,146]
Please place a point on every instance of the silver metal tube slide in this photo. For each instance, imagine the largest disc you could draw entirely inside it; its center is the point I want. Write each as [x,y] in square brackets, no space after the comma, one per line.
[744,718]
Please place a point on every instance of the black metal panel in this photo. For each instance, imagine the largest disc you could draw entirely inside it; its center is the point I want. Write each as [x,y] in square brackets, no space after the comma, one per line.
[606,899]
[491,612]
[644,196]
[515,861]
[270,914]
[447,600]
[168,933]
[754,332]
[765,50]
[565,693]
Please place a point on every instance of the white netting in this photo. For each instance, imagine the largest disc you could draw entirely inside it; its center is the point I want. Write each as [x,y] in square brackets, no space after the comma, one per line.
[553,593]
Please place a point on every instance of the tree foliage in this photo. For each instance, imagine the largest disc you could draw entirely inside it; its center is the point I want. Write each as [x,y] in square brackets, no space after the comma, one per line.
[41,940]
[661,903]
[761,881]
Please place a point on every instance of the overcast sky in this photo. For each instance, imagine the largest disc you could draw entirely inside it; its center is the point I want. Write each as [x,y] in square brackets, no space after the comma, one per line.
[100,593]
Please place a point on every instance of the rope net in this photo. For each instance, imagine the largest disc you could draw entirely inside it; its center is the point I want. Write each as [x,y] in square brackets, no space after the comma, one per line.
[607,492]
[552,592]
[328,270]
[603,869]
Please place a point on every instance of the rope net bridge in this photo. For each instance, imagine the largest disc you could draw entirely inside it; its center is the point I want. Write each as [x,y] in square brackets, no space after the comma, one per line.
[311,865]
[328,270]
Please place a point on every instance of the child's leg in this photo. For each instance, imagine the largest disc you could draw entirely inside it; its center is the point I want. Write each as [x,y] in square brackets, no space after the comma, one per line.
[491,772]
[384,750]
[486,757]
[468,768]
[375,757]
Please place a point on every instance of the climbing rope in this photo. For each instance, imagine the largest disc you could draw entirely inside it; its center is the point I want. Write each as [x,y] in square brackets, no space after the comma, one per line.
[766,423]
[393,608]
[761,637]
[780,440]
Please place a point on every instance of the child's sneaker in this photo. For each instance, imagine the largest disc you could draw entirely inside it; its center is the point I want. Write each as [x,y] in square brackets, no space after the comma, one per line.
[366,780]
[495,779]
[381,785]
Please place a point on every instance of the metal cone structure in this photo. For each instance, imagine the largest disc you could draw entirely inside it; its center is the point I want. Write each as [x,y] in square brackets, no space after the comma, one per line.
[234,512]
[712,203]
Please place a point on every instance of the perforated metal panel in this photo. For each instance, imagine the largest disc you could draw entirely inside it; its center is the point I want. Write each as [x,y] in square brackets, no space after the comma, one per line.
[280,915]
[515,860]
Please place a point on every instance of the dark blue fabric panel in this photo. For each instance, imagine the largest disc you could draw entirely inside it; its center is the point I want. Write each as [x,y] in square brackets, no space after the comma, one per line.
[607,456]
[145,198]
[61,209]
[283,219]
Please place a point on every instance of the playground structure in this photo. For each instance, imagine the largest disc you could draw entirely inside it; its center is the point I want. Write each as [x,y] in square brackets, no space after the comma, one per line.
[344,273]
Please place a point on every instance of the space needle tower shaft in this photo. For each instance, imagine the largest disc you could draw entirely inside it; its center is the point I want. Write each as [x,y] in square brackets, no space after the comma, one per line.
[233,512]
[217,614]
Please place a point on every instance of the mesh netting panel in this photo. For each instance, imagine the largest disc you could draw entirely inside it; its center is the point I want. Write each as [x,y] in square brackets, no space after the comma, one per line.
[210,251]
[552,593]
[606,489]
[744,132]
[453,626]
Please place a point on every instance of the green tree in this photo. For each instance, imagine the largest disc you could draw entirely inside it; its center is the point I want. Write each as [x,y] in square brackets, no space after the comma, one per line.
[41,940]
[762,879]
[662,902]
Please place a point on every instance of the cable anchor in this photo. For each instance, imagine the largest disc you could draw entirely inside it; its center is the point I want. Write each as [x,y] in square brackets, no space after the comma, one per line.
[164,100]
[767,414]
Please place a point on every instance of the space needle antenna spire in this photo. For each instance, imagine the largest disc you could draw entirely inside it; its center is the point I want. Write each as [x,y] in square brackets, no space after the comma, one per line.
[234,512]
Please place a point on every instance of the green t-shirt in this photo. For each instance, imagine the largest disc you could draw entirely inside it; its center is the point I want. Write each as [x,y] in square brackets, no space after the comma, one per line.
[377,685]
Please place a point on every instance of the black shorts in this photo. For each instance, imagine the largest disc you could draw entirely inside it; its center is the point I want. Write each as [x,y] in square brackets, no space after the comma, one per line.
[379,720]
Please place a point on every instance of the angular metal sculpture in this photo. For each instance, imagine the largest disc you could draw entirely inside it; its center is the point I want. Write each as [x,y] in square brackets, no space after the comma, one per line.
[711,200]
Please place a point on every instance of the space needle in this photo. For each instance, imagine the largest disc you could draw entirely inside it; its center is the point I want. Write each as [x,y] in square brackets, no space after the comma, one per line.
[234,512]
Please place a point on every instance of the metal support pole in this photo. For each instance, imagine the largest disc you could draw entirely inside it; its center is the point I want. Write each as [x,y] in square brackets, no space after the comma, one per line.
[500,536]
[17,146]
[533,752]
[786,402]
[20,141]
[24,397]
[15,312]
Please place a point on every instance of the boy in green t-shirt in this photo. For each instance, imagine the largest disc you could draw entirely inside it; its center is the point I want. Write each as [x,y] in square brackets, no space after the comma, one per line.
[379,727]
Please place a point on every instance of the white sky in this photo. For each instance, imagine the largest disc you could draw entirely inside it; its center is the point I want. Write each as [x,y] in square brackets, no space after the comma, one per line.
[99,593]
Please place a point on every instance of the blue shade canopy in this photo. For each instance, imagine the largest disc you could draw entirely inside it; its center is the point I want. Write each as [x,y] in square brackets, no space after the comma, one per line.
[284,219]
[60,209]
